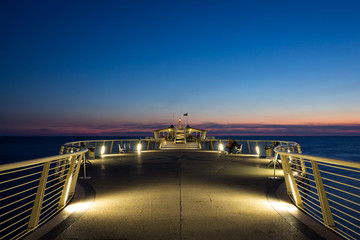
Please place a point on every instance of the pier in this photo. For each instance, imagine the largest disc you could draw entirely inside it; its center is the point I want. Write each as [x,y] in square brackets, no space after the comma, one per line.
[181,194]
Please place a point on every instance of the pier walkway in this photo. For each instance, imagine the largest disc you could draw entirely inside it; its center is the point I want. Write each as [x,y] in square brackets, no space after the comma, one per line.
[180,194]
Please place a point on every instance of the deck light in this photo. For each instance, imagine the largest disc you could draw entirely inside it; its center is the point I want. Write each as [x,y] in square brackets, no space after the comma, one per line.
[78,207]
[138,147]
[289,155]
[257,150]
[284,206]
[221,147]
[102,150]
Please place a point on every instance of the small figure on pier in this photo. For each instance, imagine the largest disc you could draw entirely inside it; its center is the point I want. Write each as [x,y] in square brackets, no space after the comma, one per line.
[179,123]
[230,145]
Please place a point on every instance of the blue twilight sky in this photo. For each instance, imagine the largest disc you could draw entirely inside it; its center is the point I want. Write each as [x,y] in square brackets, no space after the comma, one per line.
[121,67]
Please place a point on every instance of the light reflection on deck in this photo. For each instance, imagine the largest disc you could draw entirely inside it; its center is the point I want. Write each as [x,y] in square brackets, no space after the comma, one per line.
[181,195]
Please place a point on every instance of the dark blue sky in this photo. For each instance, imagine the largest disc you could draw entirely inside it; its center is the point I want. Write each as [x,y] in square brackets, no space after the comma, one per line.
[96,67]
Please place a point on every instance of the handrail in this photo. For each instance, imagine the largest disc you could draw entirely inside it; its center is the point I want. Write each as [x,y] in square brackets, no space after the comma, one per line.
[332,183]
[344,163]
[35,190]
[9,166]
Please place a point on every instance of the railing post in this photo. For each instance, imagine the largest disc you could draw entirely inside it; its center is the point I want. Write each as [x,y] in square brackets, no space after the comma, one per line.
[248,143]
[103,146]
[62,149]
[303,167]
[285,170]
[324,203]
[112,144]
[77,170]
[66,188]
[35,213]
[291,185]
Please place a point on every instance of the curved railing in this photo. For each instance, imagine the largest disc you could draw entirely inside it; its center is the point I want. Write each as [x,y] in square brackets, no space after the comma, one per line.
[263,148]
[31,192]
[99,148]
[328,190]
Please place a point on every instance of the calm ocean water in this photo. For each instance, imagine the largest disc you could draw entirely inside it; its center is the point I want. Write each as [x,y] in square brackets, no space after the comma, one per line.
[13,149]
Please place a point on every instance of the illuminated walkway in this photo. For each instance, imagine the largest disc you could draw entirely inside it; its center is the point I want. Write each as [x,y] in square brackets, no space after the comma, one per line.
[181,195]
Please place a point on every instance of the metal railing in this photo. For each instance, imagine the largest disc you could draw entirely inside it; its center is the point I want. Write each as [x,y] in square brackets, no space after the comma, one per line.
[326,189]
[249,147]
[31,192]
[99,148]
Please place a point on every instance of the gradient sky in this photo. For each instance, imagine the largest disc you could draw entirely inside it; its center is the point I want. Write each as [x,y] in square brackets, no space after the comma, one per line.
[127,67]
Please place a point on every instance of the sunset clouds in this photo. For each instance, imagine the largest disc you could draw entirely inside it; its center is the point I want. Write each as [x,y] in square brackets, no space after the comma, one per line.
[214,129]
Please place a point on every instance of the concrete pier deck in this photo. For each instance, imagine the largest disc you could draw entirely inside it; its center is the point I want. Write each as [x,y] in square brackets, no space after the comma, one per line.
[181,194]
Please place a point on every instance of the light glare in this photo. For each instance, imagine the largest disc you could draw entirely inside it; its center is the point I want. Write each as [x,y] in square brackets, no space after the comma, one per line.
[78,207]
[221,147]
[284,206]
[102,150]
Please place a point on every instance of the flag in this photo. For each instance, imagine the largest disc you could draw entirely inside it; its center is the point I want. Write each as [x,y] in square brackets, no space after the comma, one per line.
[185,114]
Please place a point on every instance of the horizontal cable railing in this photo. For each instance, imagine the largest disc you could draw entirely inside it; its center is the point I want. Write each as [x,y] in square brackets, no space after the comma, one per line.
[31,192]
[327,189]
[99,148]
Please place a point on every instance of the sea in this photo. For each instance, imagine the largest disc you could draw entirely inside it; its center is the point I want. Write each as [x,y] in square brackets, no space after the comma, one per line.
[15,148]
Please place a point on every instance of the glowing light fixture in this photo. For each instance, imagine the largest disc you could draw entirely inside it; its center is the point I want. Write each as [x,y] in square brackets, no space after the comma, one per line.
[221,147]
[289,155]
[257,150]
[78,207]
[284,206]
[102,150]
[138,147]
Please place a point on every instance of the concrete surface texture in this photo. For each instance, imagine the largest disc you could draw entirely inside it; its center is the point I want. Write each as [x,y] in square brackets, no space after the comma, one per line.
[182,194]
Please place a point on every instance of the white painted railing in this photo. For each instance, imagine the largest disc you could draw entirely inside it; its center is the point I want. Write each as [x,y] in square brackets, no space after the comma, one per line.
[249,147]
[31,192]
[328,190]
[112,146]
